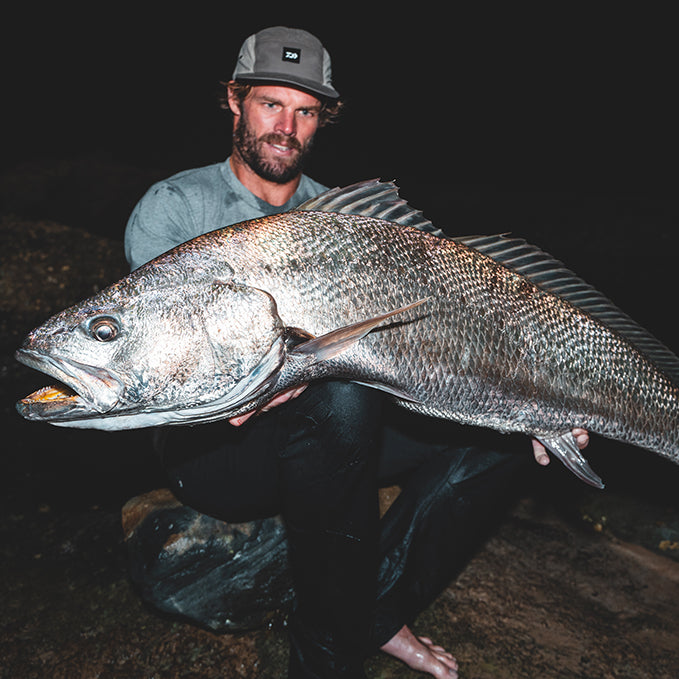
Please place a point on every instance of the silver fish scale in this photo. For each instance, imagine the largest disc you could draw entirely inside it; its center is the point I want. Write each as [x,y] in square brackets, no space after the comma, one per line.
[495,349]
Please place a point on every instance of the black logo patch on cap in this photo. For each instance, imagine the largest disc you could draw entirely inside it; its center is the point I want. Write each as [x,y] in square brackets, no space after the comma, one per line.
[292,54]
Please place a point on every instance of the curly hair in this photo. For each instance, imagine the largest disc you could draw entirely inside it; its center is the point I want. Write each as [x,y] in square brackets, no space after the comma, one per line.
[329,113]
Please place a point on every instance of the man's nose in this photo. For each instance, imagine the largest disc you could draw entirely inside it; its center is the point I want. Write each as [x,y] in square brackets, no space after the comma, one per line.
[286,123]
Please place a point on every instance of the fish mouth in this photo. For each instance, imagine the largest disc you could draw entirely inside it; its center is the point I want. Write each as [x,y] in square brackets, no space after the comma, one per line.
[83,390]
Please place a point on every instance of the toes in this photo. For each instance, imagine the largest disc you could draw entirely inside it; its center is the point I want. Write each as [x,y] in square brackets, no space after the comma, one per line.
[431,646]
[440,653]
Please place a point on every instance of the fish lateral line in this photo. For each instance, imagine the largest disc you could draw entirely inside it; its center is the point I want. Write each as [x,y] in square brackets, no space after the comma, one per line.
[333,343]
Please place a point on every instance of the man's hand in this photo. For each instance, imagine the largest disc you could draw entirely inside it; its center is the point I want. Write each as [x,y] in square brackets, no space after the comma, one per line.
[540,453]
[275,401]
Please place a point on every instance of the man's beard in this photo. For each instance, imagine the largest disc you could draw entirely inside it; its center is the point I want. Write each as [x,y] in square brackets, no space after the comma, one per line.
[280,171]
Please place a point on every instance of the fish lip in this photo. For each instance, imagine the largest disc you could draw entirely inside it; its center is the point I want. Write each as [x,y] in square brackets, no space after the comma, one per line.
[98,390]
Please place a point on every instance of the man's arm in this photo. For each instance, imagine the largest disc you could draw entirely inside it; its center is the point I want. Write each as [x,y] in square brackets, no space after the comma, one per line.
[539,451]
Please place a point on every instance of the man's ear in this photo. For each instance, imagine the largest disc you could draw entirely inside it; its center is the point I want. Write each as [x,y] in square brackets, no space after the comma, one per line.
[234,103]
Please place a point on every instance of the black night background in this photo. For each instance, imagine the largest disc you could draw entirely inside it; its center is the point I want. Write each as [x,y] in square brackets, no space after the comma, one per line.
[556,125]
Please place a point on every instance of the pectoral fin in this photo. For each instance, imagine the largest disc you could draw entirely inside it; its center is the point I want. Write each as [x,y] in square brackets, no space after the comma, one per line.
[566,449]
[331,344]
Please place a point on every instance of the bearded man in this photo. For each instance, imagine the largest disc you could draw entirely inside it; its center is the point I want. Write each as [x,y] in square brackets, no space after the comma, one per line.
[319,458]
[278,106]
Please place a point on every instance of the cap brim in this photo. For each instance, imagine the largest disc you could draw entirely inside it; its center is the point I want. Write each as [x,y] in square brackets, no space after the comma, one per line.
[298,83]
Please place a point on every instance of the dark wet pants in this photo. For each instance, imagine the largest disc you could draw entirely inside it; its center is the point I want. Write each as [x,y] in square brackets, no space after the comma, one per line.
[318,460]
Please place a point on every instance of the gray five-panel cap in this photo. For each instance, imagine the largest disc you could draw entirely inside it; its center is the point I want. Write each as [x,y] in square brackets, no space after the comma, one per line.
[290,56]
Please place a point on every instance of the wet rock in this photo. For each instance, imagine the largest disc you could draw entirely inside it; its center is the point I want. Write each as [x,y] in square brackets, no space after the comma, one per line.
[223,576]
[227,577]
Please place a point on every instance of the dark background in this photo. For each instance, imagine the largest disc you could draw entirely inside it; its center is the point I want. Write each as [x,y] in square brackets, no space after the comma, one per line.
[540,100]
[556,125]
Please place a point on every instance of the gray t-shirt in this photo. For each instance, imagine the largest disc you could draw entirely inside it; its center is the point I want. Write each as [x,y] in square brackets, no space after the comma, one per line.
[196,201]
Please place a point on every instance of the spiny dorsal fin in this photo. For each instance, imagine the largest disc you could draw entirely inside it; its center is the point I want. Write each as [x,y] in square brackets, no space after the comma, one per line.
[551,275]
[371,198]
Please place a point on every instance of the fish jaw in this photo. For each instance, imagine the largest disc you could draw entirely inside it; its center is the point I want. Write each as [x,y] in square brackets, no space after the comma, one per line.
[86,391]
[90,397]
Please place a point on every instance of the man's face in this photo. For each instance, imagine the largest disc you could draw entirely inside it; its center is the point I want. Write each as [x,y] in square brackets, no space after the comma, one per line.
[274,130]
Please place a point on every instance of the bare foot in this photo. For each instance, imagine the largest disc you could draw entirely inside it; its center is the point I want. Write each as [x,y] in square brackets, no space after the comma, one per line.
[420,654]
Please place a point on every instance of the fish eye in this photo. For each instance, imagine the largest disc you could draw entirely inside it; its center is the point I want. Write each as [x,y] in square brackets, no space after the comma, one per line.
[104,329]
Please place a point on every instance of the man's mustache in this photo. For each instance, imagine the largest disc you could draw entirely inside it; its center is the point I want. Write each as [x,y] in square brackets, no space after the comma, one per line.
[282,140]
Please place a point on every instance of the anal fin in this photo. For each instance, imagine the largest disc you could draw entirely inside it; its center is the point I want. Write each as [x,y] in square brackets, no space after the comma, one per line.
[566,450]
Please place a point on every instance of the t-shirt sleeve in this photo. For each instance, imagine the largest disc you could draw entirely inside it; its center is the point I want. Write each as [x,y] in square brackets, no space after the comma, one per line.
[160,221]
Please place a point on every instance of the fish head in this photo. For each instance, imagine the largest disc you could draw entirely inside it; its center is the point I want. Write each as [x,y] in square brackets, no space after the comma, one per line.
[155,349]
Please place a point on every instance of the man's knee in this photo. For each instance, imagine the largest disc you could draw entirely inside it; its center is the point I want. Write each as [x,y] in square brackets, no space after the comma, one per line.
[471,464]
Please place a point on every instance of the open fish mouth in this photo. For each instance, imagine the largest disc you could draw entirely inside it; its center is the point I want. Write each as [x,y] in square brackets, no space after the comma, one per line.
[83,390]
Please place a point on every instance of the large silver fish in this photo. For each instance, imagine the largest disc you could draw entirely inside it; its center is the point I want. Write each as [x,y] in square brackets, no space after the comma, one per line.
[486,331]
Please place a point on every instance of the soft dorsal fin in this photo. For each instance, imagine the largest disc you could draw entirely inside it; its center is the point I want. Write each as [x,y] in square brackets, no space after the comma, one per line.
[551,275]
[371,198]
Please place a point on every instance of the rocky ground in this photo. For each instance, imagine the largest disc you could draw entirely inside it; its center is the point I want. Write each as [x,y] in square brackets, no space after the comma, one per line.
[574,583]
